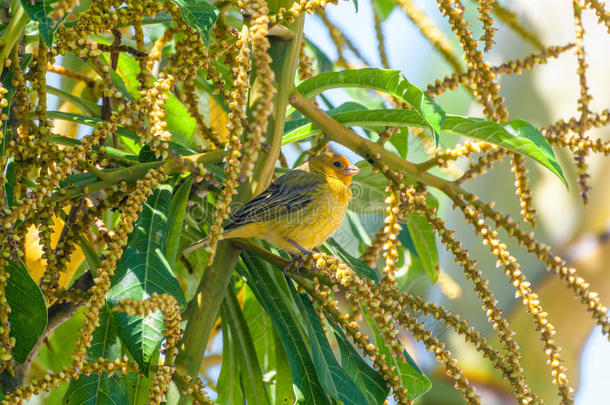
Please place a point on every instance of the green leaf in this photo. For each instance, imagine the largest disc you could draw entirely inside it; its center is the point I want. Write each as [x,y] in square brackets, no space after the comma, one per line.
[411,376]
[356,227]
[383,8]
[388,81]
[177,209]
[96,390]
[28,316]
[360,267]
[275,301]
[334,379]
[366,377]
[541,152]
[179,121]
[517,136]
[419,239]
[323,63]
[138,388]
[200,15]
[261,331]
[294,130]
[368,190]
[400,141]
[284,392]
[229,387]
[9,186]
[252,379]
[86,106]
[38,11]
[415,271]
[142,271]
[100,389]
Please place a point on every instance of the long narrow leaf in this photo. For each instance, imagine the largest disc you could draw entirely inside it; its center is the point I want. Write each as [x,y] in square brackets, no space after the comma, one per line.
[411,376]
[177,209]
[368,379]
[270,296]
[229,387]
[252,379]
[334,379]
[389,81]
[517,136]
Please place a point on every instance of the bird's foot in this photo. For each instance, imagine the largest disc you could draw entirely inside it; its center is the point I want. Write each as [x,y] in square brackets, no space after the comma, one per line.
[304,252]
[290,264]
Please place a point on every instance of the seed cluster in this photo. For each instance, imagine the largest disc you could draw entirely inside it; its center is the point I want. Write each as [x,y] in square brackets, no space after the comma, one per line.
[553,263]
[529,298]
[265,78]
[237,117]
[412,200]
[485,7]
[365,293]
[41,166]
[391,230]
[171,317]
[600,10]
[305,68]
[54,379]
[511,67]
[584,99]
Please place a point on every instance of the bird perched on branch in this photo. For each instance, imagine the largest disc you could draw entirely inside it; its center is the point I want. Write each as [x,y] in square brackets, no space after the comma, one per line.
[299,210]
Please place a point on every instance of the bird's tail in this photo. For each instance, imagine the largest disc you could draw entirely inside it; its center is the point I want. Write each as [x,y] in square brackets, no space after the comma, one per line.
[195,245]
[242,231]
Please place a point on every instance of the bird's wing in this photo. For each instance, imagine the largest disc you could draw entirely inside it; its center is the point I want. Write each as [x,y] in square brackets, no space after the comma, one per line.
[290,193]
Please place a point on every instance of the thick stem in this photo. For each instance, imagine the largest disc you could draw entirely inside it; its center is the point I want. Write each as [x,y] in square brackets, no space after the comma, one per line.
[210,293]
[371,151]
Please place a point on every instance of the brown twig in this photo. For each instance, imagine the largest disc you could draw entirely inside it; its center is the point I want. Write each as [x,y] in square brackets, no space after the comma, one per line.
[114,61]
[121,48]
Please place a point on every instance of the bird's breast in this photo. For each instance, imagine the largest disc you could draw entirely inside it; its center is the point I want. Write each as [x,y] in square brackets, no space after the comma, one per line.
[319,221]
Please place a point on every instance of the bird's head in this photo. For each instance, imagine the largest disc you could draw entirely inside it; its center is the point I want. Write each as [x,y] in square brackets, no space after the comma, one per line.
[333,165]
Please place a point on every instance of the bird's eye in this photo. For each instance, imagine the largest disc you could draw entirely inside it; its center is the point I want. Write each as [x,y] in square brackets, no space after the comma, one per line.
[338,164]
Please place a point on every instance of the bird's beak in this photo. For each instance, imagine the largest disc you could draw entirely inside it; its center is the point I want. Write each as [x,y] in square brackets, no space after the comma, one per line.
[351,170]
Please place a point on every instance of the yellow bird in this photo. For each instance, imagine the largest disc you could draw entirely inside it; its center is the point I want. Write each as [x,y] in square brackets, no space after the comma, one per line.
[300,210]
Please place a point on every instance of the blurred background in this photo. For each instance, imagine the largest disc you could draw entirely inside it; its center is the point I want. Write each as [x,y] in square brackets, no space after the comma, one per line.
[579,233]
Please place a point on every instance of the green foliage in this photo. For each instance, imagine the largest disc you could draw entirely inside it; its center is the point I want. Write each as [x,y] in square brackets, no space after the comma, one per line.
[411,376]
[388,81]
[198,14]
[28,317]
[280,344]
[144,270]
[517,135]
[100,388]
[39,11]
[274,295]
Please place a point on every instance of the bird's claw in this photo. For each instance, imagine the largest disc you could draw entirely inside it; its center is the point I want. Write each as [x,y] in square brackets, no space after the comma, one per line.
[296,259]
